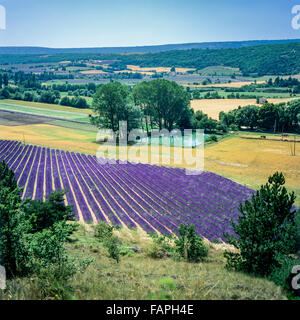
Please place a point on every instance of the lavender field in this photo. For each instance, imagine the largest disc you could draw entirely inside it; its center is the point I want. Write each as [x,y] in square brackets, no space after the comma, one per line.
[156,199]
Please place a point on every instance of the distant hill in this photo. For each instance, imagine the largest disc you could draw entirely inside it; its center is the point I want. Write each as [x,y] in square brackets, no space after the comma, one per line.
[271,59]
[142,49]
[251,60]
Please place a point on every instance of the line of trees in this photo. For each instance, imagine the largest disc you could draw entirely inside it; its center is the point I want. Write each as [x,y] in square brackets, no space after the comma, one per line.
[278,117]
[31,90]
[155,104]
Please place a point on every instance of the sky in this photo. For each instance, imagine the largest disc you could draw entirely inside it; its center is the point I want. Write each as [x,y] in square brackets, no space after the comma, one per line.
[109,23]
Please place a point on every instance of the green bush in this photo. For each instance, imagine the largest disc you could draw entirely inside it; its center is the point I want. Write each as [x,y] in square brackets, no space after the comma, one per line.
[43,214]
[233,127]
[32,244]
[12,224]
[213,137]
[113,244]
[265,230]
[161,247]
[189,245]
[104,233]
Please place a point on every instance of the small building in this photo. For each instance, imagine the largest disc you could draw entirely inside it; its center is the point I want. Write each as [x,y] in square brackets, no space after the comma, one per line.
[262,101]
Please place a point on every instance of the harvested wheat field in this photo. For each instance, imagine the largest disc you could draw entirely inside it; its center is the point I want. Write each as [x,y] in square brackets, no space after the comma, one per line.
[93,72]
[212,107]
[223,85]
[158,69]
[250,162]
[149,73]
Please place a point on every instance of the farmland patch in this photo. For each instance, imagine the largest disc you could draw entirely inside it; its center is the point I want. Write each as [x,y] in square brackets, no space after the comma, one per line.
[8,118]
[212,107]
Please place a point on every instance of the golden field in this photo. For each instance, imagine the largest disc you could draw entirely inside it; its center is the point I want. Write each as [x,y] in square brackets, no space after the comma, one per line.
[93,72]
[157,69]
[212,107]
[149,73]
[250,162]
[246,161]
[223,85]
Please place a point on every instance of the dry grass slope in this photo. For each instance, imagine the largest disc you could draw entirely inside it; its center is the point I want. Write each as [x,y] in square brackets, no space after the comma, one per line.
[137,276]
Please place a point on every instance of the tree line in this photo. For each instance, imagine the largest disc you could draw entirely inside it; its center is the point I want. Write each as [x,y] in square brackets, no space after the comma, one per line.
[155,104]
[28,87]
[282,117]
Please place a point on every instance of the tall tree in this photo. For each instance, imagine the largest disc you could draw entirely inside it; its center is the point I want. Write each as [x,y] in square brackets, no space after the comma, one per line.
[113,103]
[10,217]
[268,116]
[266,229]
[5,79]
[164,101]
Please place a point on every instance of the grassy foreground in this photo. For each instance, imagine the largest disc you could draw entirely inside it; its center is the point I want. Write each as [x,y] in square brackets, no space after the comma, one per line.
[138,276]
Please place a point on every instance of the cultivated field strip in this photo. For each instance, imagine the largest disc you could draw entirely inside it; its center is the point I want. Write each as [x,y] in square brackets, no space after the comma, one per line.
[153,198]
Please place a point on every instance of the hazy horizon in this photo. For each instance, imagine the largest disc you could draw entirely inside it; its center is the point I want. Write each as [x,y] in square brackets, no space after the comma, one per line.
[150,45]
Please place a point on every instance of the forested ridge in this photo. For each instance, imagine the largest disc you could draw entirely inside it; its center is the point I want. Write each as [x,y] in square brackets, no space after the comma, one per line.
[274,59]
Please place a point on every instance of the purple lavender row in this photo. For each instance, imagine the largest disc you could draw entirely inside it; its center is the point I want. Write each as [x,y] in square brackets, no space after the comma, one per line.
[48,175]
[32,175]
[27,166]
[199,218]
[93,194]
[80,199]
[199,223]
[111,195]
[40,177]
[5,147]
[66,185]
[11,157]
[158,223]
[85,188]
[122,215]
[149,208]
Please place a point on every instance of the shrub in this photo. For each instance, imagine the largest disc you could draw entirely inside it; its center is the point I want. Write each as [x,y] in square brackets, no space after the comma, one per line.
[189,245]
[29,243]
[104,233]
[265,230]
[12,224]
[113,244]
[161,247]
[213,137]
[50,263]
[233,127]
[43,215]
